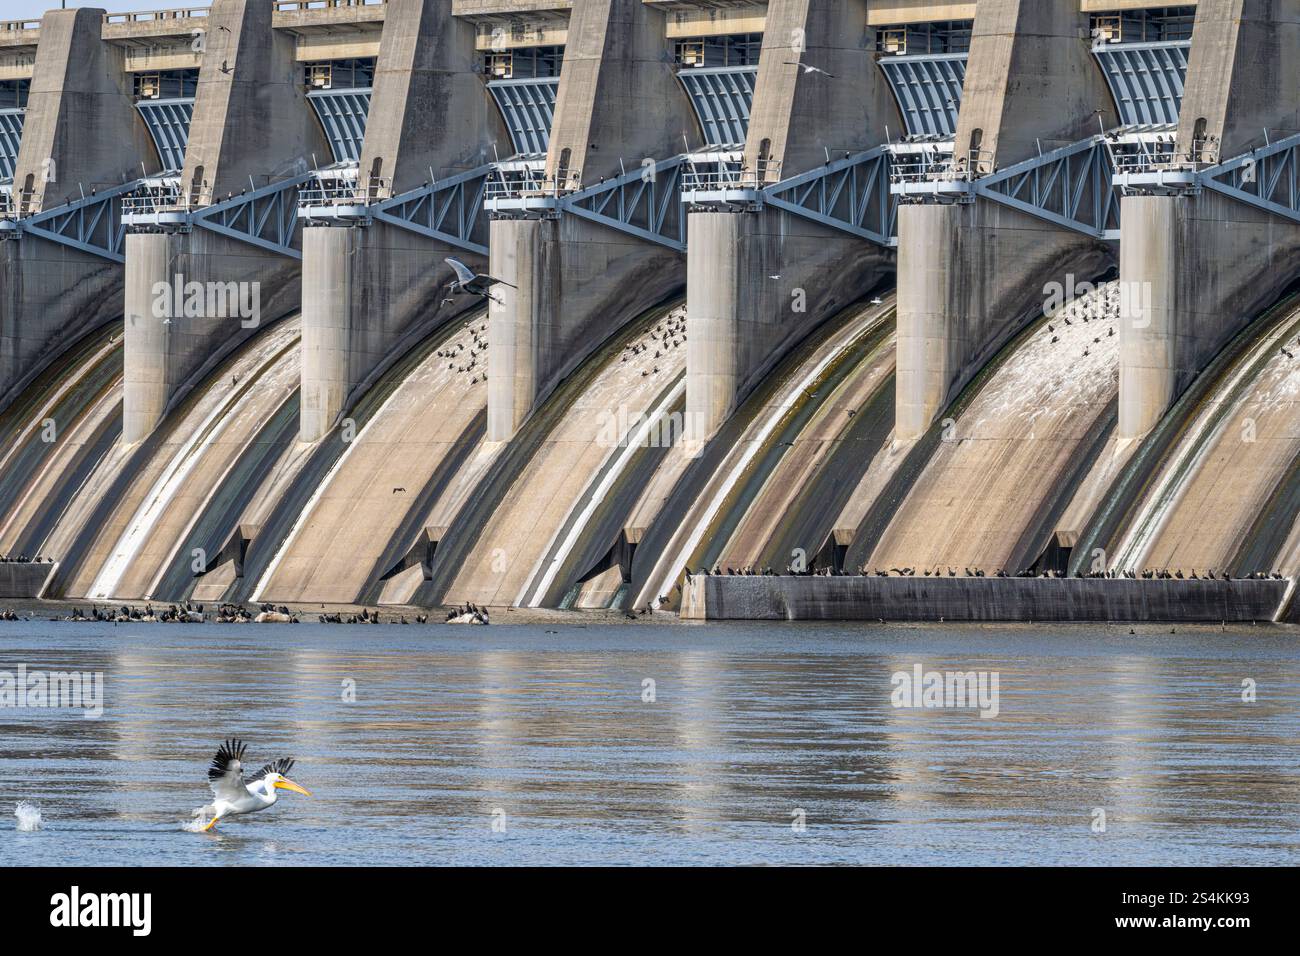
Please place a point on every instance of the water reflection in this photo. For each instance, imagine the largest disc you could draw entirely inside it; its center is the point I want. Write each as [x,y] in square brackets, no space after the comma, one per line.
[414,740]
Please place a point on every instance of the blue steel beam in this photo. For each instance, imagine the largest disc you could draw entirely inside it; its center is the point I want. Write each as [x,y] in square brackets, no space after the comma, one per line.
[91,224]
[266,217]
[645,203]
[1266,178]
[449,210]
[850,194]
[1072,187]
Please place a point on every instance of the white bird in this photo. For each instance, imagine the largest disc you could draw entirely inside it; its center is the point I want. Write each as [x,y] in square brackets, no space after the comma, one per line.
[808,68]
[470,282]
[236,793]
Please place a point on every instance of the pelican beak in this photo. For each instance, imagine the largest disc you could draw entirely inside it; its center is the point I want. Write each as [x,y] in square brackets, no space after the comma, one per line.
[288,784]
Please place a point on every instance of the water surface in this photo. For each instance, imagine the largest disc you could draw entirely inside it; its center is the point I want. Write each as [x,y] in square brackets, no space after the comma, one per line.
[545,729]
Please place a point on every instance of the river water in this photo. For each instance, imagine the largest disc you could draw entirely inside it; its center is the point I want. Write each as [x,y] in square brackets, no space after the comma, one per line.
[661,744]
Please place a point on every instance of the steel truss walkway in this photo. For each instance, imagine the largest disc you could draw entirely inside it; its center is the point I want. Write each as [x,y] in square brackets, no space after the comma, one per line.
[265,217]
[646,202]
[92,224]
[449,209]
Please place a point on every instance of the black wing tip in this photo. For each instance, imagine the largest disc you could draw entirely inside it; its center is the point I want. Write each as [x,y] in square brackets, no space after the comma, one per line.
[230,750]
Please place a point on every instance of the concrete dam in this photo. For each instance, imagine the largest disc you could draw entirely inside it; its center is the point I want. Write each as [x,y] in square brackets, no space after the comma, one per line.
[868,308]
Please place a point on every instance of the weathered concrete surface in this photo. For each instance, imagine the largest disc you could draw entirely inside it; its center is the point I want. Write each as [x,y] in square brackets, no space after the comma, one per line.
[1201,266]
[758,281]
[970,275]
[379,494]
[688,523]
[80,133]
[23,580]
[366,290]
[577,281]
[796,117]
[529,544]
[574,282]
[1243,76]
[167,352]
[251,115]
[252,122]
[857,598]
[993,492]
[1225,496]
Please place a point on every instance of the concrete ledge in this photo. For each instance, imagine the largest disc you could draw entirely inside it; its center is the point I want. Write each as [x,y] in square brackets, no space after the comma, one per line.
[739,598]
[23,580]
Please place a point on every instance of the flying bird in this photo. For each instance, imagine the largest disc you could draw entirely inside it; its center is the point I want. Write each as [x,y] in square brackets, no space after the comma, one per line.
[236,793]
[471,283]
[809,68]
[225,67]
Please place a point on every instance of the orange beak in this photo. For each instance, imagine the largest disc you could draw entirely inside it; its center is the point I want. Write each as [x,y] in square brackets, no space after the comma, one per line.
[287,784]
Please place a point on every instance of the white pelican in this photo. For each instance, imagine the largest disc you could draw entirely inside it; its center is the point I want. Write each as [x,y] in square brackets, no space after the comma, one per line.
[236,793]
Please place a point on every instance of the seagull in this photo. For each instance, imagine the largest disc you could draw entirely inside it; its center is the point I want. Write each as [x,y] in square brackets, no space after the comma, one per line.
[237,794]
[470,282]
[807,68]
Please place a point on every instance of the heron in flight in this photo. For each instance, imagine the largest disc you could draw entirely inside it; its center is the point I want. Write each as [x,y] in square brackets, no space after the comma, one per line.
[236,793]
[809,68]
[471,283]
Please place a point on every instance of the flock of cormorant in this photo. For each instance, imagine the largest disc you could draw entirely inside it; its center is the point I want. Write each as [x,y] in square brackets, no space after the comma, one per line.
[1150,574]
[477,355]
[670,334]
[187,613]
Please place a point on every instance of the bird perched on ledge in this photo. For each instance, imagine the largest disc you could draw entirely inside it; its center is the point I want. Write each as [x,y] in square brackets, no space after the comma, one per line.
[236,793]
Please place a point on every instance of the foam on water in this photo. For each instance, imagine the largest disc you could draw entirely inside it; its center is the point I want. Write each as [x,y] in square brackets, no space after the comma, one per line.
[29,817]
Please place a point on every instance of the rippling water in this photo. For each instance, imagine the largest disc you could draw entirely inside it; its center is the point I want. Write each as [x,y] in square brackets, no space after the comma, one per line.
[544,729]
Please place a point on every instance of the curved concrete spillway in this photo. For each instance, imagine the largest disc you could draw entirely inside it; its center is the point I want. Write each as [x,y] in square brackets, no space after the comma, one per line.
[1005,467]
[1224,498]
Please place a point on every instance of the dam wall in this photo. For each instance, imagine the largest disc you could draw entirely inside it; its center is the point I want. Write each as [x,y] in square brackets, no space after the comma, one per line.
[79,134]
[760,277]
[1201,264]
[972,272]
[367,284]
[573,281]
[22,580]
[1040,600]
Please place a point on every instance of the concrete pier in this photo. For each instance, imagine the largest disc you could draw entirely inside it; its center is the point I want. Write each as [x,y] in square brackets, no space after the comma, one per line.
[1197,265]
[760,279]
[252,126]
[80,134]
[1041,600]
[576,281]
[971,273]
[368,288]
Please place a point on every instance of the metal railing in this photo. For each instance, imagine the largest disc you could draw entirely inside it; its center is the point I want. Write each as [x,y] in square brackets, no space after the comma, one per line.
[155,198]
[519,182]
[150,16]
[722,176]
[289,6]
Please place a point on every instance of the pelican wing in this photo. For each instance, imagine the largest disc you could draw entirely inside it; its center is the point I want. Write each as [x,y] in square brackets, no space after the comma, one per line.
[281,766]
[463,272]
[226,775]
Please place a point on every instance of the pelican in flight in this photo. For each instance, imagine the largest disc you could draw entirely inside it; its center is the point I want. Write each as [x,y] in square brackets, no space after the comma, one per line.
[236,793]
[470,282]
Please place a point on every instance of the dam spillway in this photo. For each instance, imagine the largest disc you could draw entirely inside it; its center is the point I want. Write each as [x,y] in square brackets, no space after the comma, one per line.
[794,285]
